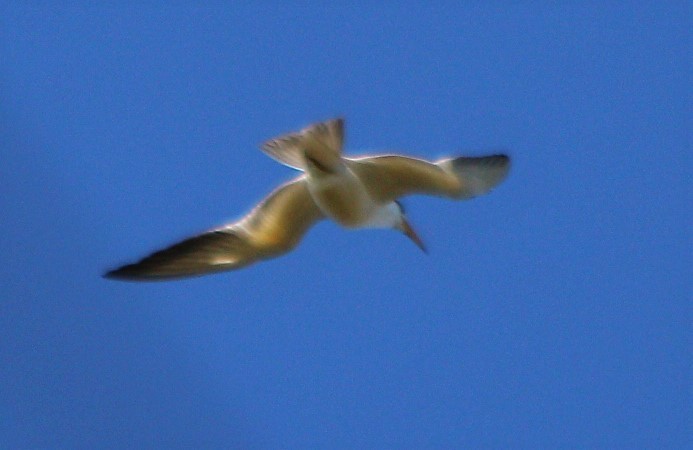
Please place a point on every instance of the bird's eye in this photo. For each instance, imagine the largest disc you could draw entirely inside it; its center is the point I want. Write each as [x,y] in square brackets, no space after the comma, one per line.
[401,206]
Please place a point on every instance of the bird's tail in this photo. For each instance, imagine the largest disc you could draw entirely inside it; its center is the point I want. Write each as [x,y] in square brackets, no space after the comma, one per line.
[289,149]
[477,175]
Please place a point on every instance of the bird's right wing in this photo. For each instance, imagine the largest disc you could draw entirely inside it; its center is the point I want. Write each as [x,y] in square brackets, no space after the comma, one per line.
[289,149]
[389,177]
[272,228]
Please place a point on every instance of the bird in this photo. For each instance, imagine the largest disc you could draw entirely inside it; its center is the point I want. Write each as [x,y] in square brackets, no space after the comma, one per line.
[355,192]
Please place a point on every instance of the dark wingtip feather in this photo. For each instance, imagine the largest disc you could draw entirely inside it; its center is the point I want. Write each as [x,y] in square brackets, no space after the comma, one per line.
[498,159]
[130,272]
[184,259]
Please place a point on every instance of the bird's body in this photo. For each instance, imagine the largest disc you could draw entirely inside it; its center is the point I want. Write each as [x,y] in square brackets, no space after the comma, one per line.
[343,197]
[353,192]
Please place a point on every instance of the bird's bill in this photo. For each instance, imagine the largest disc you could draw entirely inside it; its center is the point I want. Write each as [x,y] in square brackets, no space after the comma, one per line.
[411,234]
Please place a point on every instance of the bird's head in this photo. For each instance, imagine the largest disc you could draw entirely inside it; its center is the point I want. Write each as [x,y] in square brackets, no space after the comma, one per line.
[392,216]
[402,224]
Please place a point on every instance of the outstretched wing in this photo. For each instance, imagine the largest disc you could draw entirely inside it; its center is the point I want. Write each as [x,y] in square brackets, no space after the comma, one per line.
[289,149]
[272,228]
[389,177]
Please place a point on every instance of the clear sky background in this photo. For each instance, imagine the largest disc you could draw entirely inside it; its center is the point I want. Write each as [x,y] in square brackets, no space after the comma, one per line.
[554,312]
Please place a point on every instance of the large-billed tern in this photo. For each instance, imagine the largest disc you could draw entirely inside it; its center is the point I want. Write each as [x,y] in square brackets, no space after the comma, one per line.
[355,192]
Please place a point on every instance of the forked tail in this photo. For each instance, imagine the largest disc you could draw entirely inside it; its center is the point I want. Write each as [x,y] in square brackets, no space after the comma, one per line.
[289,149]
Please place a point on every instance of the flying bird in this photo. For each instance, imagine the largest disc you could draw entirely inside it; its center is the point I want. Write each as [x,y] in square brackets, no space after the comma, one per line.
[355,192]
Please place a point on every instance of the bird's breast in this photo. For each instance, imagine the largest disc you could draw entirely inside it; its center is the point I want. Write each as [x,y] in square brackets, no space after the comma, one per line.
[343,199]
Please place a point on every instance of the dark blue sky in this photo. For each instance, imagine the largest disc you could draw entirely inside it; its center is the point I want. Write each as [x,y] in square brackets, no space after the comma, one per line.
[554,312]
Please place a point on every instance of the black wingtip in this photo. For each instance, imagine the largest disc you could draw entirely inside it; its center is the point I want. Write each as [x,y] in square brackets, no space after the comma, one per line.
[132,272]
[108,275]
[122,273]
[497,159]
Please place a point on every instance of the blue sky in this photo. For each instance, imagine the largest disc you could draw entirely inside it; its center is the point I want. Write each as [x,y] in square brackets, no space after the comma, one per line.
[554,312]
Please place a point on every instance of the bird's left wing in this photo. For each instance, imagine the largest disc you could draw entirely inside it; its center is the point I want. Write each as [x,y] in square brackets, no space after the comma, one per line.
[388,177]
[272,228]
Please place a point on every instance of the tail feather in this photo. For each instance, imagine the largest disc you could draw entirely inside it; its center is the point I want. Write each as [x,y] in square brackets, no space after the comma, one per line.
[289,149]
